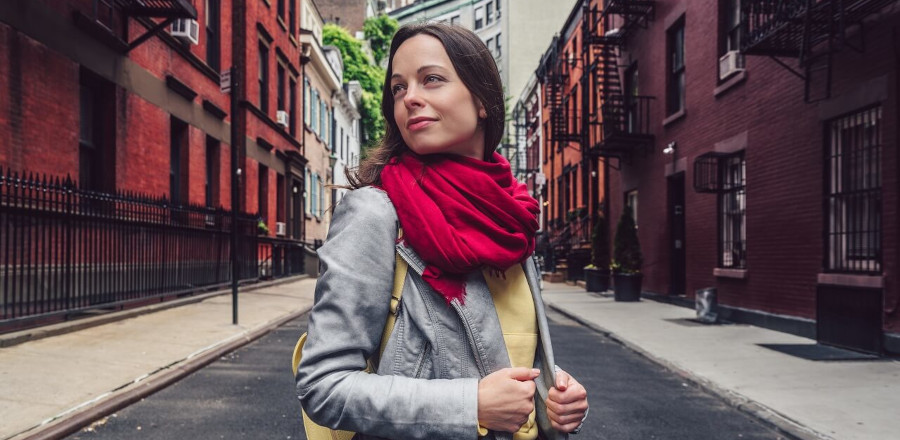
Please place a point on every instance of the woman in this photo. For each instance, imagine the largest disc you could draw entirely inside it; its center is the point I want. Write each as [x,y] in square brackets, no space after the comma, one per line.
[452,368]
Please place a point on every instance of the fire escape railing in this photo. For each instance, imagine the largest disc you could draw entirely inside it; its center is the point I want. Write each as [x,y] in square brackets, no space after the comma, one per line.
[618,120]
[810,30]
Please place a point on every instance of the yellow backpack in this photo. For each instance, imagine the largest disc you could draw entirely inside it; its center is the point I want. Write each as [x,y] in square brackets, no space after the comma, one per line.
[317,432]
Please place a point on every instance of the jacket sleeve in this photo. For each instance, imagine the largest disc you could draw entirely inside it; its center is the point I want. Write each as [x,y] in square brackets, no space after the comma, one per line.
[352,300]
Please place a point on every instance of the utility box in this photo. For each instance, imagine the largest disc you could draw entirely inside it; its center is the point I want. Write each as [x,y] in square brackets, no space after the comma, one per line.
[707,305]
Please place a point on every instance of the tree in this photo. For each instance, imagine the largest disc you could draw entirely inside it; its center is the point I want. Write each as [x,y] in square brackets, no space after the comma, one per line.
[627,257]
[379,30]
[359,67]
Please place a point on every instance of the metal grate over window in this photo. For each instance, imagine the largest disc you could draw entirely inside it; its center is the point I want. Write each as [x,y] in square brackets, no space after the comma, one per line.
[732,212]
[853,193]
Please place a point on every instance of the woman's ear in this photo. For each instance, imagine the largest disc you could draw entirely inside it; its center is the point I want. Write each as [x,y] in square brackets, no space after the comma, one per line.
[482,113]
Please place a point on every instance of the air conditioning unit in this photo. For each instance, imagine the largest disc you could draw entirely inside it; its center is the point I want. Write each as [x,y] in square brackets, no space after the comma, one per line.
[280,229]
[186,29]
[281,117]
[731,62]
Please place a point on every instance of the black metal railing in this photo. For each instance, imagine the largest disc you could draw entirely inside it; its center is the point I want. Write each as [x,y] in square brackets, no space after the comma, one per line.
[65,249]
[280,257]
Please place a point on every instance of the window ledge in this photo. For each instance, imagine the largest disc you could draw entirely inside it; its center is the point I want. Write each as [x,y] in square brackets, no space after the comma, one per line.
[738,274]
[674,117]
[293,40]
[731,82]
[848,280]
[281,23]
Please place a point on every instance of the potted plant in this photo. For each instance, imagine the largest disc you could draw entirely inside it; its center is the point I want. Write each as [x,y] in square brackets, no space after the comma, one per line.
[596,274]
[261,227]
[627,260]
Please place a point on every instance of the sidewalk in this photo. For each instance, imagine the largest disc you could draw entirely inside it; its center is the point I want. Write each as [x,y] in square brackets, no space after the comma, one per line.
[53,384]
[808,399]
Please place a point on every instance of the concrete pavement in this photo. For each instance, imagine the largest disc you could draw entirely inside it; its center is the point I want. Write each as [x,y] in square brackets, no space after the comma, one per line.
[54,385]
[808,399]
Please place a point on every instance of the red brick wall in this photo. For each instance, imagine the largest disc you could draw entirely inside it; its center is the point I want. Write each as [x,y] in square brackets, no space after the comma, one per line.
[784,174]
[38,102]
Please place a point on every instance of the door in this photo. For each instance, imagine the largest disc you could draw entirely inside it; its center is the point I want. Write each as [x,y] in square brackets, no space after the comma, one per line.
[677,254]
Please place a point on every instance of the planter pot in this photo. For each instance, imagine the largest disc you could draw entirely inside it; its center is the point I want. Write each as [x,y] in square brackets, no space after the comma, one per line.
[596,280]
[628,286]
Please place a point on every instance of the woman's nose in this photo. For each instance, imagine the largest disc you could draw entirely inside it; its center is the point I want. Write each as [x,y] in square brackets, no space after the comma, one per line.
[412,98]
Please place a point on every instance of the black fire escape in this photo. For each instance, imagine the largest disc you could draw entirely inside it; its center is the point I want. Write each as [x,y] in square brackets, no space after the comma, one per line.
[810,30]
[619,126]
[107,20]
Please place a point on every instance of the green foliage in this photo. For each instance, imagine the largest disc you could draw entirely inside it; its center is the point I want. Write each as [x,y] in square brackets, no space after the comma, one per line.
[379,30]
[599,243]
[358,66]
[627,257]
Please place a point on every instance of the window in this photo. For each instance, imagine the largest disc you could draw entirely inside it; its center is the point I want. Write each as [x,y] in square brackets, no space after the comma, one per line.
[292,98]
[675,86]
[321,198]
[631,204]
[306,102]
[731,60]
[315,111]
[499,46]
[489,13]
[479,18]
[212,172]
[314,197]
[292,17]
[279,198]
[212,34]
[281,9]
[263,77]
[853,192]
[732,209]
[454,20]
[263,192]
[731,25]
[178,164]
[307,191]
[490,44]
[280,98]
[96,132]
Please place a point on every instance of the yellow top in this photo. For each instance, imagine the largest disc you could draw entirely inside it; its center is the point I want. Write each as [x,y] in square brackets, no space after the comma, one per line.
[518,320]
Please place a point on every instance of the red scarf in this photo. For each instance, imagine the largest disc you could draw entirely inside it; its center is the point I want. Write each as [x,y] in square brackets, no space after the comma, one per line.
[460,215]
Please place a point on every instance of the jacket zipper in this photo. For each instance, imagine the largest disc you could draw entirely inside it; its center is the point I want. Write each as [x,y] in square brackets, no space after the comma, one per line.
[479,362]
[469,332]
[421,362]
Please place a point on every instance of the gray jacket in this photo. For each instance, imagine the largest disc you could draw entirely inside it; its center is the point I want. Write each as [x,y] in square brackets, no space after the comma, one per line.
[426,386]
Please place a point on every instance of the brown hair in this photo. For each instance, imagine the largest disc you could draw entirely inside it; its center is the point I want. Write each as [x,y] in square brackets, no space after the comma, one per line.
[476,68]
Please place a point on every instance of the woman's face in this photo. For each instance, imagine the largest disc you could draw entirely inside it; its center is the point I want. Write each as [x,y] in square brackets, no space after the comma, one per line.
[434,110]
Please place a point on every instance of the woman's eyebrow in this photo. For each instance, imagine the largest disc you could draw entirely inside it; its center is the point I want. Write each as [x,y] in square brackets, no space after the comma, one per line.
[420,69]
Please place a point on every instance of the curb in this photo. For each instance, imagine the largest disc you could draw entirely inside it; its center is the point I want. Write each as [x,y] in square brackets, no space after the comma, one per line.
[35,333]
[781,423]
[129,394]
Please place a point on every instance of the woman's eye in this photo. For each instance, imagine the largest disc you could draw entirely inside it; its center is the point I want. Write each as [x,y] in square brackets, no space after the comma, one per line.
[396,88]
[432,78]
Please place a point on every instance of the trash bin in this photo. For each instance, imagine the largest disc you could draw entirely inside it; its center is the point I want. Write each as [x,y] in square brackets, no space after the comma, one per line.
[707,305]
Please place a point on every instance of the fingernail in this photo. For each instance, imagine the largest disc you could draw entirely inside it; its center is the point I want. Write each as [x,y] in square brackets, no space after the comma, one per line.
[535,371]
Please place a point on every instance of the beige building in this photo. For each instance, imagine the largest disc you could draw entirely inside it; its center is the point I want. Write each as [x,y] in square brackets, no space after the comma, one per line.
[321,78]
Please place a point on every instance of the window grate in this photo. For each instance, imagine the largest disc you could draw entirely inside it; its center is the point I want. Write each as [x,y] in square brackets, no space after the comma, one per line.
[853,193]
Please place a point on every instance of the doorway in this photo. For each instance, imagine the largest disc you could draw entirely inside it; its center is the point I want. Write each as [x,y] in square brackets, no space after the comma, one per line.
[677,255]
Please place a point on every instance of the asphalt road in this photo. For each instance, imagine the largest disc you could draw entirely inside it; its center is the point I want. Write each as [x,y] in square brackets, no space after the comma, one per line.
[250,394]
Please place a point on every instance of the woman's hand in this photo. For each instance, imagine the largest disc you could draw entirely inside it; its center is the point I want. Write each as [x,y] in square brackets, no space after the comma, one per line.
[566,403]
[506,398]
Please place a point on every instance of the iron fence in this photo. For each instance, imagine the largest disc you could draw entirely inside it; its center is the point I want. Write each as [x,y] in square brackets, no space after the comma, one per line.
[66,250]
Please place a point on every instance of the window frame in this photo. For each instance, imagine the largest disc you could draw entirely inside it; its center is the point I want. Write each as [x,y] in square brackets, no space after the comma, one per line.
[853,180]
[213,28]
[263,57]
[732,211]
[675,73]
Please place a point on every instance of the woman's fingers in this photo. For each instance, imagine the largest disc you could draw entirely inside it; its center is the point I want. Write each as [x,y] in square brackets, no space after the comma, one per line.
[566,403]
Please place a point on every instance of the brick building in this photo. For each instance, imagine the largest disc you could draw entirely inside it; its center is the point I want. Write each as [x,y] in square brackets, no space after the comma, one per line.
[771,180]
[110,93]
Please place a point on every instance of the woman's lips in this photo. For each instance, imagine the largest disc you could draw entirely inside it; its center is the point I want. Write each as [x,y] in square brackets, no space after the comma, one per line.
[418,125]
